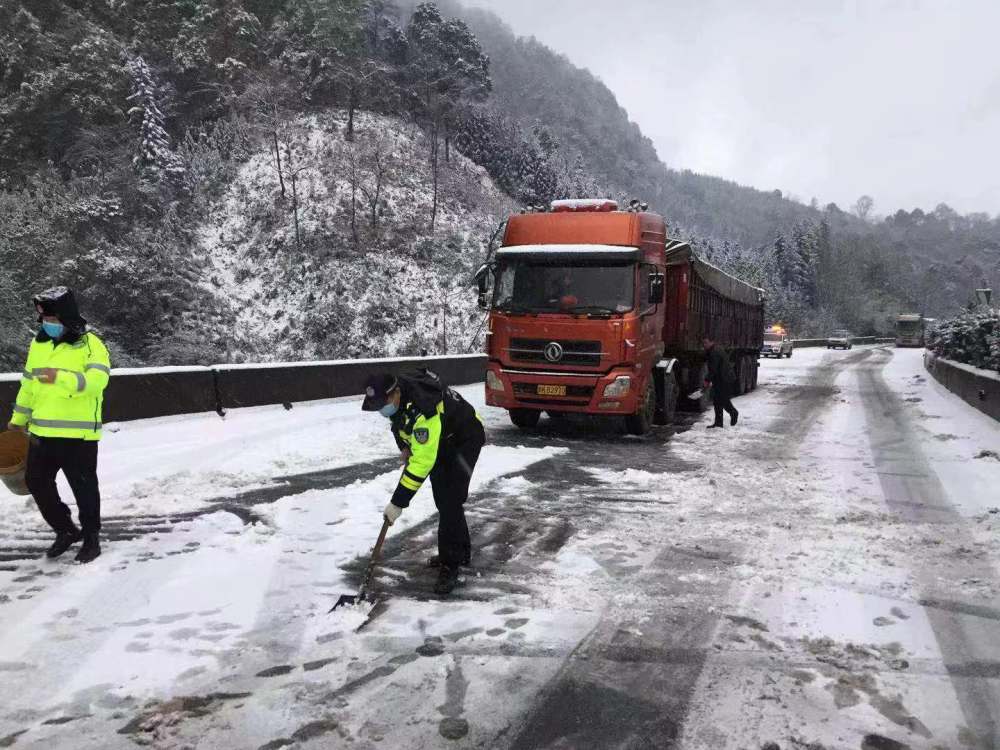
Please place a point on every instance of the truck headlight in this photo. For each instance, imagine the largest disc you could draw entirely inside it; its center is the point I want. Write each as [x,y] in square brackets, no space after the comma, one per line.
[618,388]
[493,381]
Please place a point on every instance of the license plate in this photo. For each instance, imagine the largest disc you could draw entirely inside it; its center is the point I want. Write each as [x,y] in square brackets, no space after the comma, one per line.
[551,390]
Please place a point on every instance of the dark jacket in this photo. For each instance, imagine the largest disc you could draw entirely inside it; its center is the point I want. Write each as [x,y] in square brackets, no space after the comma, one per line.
[421,392]
[720,370]
[434,423]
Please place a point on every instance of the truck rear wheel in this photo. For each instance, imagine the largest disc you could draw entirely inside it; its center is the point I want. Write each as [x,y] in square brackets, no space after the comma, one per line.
[525,419]
[641,422]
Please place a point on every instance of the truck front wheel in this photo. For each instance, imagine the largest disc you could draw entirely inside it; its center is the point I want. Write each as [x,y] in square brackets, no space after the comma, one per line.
[666,407]
[641,422]
[526,419]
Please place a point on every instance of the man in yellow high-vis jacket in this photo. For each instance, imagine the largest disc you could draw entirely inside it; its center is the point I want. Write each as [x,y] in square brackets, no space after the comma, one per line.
[59,405]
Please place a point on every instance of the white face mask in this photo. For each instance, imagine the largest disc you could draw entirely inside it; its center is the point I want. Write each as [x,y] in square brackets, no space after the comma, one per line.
[389,410]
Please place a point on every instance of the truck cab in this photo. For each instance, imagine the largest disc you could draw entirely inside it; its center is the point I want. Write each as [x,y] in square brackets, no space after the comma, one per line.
[910,330]
[577,313]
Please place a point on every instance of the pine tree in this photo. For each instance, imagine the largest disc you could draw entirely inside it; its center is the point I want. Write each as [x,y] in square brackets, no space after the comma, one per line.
[155,157]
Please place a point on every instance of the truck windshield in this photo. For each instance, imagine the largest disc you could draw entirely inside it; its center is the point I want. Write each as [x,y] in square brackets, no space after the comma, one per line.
[529,286]
[909,327]
[772,337]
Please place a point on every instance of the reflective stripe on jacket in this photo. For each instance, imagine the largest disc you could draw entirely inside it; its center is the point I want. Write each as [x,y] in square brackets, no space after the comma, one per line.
[422,435]
[71,407]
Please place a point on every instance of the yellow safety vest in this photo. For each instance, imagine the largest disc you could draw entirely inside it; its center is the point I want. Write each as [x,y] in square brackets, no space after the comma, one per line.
[70,407]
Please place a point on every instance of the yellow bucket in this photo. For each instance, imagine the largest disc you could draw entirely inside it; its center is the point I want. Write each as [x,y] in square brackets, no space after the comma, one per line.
[13,457]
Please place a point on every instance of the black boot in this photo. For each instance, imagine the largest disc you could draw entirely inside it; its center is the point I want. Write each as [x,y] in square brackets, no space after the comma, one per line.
[447,579]
[733,418]
[434,561]
[715,424]
[91,548]
[64,540]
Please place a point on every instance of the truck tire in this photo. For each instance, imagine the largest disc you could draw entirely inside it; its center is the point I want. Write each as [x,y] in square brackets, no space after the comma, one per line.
[666,404]
[641,422]
[525,419]
[753,376]
[789,355]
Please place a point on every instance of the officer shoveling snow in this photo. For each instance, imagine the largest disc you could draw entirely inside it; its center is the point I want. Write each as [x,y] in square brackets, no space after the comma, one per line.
[440,436]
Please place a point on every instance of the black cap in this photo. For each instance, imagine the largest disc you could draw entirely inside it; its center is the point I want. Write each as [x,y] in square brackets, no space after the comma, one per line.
[377,391]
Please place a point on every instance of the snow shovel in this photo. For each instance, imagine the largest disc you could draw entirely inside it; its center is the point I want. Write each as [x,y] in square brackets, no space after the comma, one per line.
[362,594]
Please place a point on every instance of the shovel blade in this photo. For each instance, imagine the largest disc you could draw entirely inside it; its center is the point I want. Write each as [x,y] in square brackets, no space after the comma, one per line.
[348,600]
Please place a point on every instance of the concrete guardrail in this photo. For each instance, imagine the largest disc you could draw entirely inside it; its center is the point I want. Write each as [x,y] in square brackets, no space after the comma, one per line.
[144,393]
[977,387]
[806,343]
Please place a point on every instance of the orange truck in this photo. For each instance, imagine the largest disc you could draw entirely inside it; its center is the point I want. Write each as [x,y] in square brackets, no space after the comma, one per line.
[594,310]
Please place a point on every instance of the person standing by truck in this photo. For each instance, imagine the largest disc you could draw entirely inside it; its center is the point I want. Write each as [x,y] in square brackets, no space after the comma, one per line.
[723,380]
[440,436]
[59,405]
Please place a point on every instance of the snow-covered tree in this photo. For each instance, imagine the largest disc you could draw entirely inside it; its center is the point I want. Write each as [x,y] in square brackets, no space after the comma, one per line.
[155,156]
[972,337]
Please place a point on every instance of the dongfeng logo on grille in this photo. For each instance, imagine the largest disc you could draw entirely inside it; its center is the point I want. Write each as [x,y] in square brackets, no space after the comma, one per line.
[553,351]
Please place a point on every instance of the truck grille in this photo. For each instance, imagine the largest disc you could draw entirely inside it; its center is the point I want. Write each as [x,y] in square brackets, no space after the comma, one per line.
[587,353]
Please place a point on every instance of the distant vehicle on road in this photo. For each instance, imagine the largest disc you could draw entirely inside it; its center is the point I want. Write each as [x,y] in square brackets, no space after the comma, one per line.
[910,330]
[777,343]
[839,339]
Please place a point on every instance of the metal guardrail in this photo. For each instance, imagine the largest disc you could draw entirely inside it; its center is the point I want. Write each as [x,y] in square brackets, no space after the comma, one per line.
[144,393]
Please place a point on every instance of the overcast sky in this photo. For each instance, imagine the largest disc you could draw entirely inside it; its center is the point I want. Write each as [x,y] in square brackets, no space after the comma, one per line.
[828,98]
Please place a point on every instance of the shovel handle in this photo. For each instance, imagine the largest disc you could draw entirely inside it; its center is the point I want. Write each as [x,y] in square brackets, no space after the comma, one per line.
[375,554]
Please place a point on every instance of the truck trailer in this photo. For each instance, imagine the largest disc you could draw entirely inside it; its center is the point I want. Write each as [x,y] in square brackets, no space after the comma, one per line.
[594,310]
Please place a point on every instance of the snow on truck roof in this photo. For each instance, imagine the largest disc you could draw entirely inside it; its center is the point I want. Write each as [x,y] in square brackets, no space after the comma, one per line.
[584,204]
[583,252]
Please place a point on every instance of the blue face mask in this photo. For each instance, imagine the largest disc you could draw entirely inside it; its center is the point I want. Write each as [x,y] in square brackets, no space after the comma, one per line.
[388,410]
[54,330]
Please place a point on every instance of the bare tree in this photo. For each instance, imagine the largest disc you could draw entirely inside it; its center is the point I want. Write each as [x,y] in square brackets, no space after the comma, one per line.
[267,97]
[378,168]
[354,180]
[863,207]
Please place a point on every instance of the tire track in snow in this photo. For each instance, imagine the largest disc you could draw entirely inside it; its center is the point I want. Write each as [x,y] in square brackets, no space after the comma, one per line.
[969,644]
[615,689]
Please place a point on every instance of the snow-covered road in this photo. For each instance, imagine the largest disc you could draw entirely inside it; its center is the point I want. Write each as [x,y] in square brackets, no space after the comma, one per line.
[825,575]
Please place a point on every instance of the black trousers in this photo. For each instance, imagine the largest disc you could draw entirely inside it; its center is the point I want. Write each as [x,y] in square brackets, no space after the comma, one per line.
[722,401]
[77,459]
[450,479]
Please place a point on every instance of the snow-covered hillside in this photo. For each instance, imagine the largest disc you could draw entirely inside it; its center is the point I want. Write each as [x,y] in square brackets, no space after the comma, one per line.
[372,280]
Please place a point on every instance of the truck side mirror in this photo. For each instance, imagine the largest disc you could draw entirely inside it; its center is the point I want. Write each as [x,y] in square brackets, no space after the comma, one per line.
[483,277]
[656,285]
